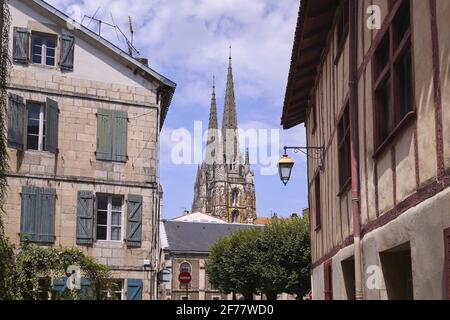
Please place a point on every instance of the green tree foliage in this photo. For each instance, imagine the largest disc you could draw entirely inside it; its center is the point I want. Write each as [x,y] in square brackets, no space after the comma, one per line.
[269,260]
[31,269]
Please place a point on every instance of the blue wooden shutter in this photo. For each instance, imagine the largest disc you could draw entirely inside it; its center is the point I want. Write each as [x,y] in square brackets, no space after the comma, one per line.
[67,52]
[46,215]
[104,135]
[134,221]
[59,286]
[86,292]
[20,45]
[16,122]
[85,217]
[134,289]
[28,220]
[51,127]
[120,128]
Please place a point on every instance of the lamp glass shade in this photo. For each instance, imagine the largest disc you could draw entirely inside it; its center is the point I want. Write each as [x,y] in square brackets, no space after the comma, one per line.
[285,166]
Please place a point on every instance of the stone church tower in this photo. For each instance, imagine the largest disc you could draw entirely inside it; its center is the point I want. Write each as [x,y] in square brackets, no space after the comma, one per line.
[224,187]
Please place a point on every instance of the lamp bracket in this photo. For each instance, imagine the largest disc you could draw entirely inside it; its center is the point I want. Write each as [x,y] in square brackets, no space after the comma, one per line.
[316,153]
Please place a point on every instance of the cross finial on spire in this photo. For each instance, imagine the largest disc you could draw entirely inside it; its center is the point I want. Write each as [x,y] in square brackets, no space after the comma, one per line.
[230,53]
[214,81]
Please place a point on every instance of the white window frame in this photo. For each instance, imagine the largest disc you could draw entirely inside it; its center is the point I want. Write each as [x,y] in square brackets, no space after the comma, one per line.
[44,38]
[42,121]
[121,291]
[109,225]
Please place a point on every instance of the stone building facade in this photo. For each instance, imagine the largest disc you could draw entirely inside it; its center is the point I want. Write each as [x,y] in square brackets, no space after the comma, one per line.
[185,243]
[224,186]
[83,137]
[377,99]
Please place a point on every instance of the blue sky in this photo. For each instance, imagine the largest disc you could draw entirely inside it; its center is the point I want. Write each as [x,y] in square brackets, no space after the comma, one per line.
[187,41]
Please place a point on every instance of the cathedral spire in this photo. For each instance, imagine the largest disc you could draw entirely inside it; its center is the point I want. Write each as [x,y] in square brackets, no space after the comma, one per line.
[213,123]
[229,122]
[213,129]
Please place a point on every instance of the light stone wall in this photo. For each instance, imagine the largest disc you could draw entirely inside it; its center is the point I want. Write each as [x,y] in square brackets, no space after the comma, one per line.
[423,227]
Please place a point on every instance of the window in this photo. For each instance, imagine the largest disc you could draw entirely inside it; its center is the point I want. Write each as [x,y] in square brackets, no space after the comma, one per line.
[345,175]
[342,26]
[235,198]
[36,126]
[37,223]
[43,49]
[318,206]
[185,267]
[393,83]
[116,292]
[112,135]
[216,298]
[109,218]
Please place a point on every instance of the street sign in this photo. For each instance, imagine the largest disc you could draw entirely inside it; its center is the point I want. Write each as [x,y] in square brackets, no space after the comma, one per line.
[185,278]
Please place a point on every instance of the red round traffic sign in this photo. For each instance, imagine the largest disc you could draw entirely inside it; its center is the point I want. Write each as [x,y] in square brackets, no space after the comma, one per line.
[185,278]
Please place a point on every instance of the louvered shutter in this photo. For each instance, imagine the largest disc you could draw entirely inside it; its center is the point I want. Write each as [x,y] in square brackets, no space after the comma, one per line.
[67,52]
[20,45]
[134,289]
[104,135]
[52,125]
[16,122]
[58,287]
[86,292]
[85,217]
[120,122]
[447,262]
[46,215]
[134,221]
[28,220]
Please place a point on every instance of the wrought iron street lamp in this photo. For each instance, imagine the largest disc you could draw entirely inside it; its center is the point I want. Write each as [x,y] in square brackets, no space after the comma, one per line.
[286,164]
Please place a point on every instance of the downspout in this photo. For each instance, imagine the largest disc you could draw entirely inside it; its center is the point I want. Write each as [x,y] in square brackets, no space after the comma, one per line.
[353,100]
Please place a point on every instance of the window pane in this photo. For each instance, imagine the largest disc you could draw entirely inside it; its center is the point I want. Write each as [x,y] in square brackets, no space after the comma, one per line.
[383,96]
[401,22]
[116,218]
[51,42]
[117,204]
[32,142]
[33,126]
[115,233]
[50,61]
[102,218]
[50,52]
[382,55]
[102,203]
[37,40]
[34,111]
[404,78]
[101,233]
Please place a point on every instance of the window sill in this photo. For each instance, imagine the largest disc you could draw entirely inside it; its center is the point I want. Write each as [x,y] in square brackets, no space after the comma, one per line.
[406,121]
[345,188]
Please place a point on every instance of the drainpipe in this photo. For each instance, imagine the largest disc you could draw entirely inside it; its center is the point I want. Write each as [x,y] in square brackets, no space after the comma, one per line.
[353,100]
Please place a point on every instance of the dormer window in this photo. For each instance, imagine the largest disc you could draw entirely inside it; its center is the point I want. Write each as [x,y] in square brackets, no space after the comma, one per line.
[43,49]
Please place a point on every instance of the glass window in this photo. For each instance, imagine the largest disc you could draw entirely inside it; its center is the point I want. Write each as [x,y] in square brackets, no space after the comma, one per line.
[109,218]
[36,126]
[43,49]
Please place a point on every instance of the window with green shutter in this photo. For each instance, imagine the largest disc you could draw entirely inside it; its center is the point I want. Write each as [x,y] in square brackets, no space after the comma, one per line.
[134,289]
[134,221]
[112,127]
[20,45]
[37,222]
[16,122]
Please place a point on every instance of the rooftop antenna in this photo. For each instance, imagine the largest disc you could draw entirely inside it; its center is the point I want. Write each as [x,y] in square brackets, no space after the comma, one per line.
[131,44]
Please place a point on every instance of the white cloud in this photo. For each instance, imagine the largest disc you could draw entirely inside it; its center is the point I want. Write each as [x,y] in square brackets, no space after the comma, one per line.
[181,36]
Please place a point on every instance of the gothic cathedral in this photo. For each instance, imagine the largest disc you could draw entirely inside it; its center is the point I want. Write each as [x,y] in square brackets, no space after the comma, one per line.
[224,187]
